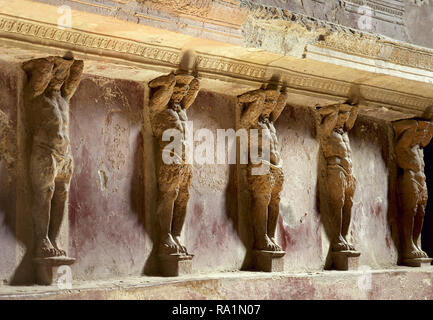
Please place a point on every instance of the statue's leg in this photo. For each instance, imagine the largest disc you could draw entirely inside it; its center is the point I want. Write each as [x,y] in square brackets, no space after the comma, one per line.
[168,184]
[42,173]
[180,207]
[408,202]
[59,203]
[260,186]
[347,208]
[336,186]
[419,219]
[274,207]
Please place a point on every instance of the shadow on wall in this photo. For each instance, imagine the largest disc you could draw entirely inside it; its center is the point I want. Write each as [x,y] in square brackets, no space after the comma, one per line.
[8,187]
[151,267]
[427,231]
[23,228]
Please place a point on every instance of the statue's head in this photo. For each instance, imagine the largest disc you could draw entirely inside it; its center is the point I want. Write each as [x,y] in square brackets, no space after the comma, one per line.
[272,92]
[343,116]
[181,88]
[60,73]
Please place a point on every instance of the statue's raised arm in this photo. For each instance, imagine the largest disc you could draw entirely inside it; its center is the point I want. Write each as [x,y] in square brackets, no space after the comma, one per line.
[327,119]
[254,101]
[280,105]
[163,86]
[405,130]
[425,129]
[40,73]
[354,110]
[73,80]
[191,95]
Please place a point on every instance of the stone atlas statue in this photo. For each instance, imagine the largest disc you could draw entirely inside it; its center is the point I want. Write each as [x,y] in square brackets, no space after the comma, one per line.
[171,96]
[411,136]
[260,109]
[334,123]
[52,81]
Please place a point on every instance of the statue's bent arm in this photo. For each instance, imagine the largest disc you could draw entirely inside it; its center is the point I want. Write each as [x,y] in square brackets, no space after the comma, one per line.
[72,82]
[40,73]
[252,113]
[280,105]
[352,118]
[194,88]
[328,123]
[161,97]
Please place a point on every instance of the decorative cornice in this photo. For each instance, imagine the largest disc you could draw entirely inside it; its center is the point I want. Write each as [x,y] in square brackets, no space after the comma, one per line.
[378,49]
[344,39]
[29,31]
[85,40]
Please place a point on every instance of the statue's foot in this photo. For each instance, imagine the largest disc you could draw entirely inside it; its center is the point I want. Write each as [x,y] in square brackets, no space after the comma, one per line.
[180,245]
[351,247]
[341,245]
[44,249]
[424,254]
[59,252]
[168,245]
[412,252]
[266,244]
[274,241]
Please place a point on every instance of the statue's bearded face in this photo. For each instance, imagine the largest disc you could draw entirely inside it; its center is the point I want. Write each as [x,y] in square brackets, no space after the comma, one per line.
[343,116]
[179,92]
[60,73]
[270,102]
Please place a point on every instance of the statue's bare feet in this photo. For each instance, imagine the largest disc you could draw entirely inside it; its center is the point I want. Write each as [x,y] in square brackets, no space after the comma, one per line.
[351,247]
[274,241]
[44,249]
[266,244]
[412,252]
[341,245]
[424,254]
[59,252]
[180,245]
[168,245]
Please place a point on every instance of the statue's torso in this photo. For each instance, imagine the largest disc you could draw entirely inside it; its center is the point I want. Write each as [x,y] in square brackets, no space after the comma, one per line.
[412,161]
[336,149]
[170,118]
[266,130]
[50,122]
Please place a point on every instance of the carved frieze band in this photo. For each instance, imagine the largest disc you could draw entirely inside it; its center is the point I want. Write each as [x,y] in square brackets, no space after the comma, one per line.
[30,31]
[371,47]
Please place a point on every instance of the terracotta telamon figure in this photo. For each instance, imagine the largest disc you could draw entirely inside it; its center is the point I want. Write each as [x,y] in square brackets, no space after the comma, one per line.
[171,97]
[334,124]
[261,108]
[51,83]
[411,137]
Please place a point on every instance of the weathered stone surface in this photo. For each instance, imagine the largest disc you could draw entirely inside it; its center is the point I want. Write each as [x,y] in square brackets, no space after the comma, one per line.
[401,283]
[107,223]
[10,81]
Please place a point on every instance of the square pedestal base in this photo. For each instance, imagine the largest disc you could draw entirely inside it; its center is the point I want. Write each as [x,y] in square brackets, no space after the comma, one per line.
[345,260]
[46,269]
[418,262]
[269,261]
[173,265]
